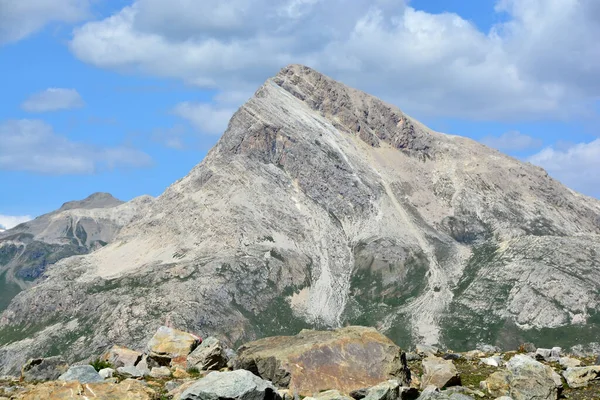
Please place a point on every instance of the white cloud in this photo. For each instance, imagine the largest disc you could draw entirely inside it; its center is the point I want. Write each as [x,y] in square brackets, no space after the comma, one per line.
[543,62]
[21,18]
[10,221]
[577,166]
[53,99]
[32,145]
[512,141]
[174,137]
[207,118]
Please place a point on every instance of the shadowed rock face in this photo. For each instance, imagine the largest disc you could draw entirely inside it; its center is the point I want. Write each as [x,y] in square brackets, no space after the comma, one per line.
[346,359]
[322,206]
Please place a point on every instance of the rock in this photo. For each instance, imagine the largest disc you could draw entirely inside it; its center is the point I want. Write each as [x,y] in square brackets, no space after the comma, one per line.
[126,390]
[598,360]
[172,385]
[43,369]
[180,373]
[413,357]
[389,390]
[433,393]
[505,397]
[425,350]
[487,348]
[439,373]
[552,354]
[119,356]
[231,357]
[133,372]
[143,365]
[168,343]
[285,394]
[525,378]
[491,361]
[567,362]
[451,356]
[528,347]
[106,373]
[238,384]
[209,355]
[160,372]
[345,359]
[473,354]
[82,374]
[581,376]
[330,395]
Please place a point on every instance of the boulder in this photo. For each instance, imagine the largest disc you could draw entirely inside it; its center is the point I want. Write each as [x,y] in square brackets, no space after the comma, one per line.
[411,356]
[133,372]
[231,357]
[119,356]
[439,373]
[160,372]
[581,376]
[552,354]
[330,395]
[389,390]
[525,378]
[126,390]
[230,385]
[168,344]
[433,393]
[495,361]
[528,347]
[312,361]
[43,369]
[210,355]
[451,356]
[488,348]
[567,362]
[106,373]
[81,374]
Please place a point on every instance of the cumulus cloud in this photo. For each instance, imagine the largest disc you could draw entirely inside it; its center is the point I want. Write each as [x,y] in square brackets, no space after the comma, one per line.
[32,145]
[207,118]
[576,166]
[543,62]
[512,141]
[53,99]
[21,18]
[10,221]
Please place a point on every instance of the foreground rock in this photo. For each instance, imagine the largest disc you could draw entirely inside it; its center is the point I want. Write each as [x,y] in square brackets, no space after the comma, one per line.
[210,355]
[127,390]
[170,344]
[389,390]
[346,359]
[81,374]
[581,376]
[240,384]
[433,393]
[439,373]
[119,356]
[525,378]
[43,369]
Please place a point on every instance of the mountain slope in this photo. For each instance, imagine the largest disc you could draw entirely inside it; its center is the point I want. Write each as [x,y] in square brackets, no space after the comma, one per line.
[323,206]
[78,227]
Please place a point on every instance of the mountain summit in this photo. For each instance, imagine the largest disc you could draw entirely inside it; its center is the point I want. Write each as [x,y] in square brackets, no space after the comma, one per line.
[322,206]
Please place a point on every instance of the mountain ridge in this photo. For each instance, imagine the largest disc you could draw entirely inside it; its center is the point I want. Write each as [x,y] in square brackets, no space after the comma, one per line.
[324,206]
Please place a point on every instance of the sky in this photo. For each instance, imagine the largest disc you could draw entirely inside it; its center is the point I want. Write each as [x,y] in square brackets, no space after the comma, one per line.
[126,96]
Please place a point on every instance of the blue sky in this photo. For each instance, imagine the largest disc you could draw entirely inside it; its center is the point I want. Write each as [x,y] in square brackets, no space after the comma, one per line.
[127,96]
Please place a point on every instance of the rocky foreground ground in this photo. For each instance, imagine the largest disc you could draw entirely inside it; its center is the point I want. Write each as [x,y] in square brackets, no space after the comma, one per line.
[353,363]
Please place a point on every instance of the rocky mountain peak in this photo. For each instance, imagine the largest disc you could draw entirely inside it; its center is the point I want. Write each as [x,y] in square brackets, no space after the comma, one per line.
[95,200]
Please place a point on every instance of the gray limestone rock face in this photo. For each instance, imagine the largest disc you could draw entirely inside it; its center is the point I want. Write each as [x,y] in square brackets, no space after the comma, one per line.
[321,206]
[237,385]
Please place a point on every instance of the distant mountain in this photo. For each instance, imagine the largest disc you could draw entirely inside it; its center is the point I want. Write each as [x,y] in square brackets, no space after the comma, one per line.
[78,227]
[324,206]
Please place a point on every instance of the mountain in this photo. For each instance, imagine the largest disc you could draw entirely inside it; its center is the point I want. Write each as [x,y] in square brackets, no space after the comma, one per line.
[322,206]
[78,227]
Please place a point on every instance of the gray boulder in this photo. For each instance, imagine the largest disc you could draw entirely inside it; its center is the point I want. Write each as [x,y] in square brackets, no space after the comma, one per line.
[106,373]
[495,361]
[488,348]
[433,393]
[439,373]
[552,354]
[389,390]
[133,372]
[43,369]
[209,355]
[525,378]
[426,350]
[240,384]
[82,374]
[568,362]
[581,376]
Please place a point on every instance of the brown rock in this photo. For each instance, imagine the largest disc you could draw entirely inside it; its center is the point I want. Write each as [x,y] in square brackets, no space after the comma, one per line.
[120,356]
[313,361]
[168,343]
[439,373]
